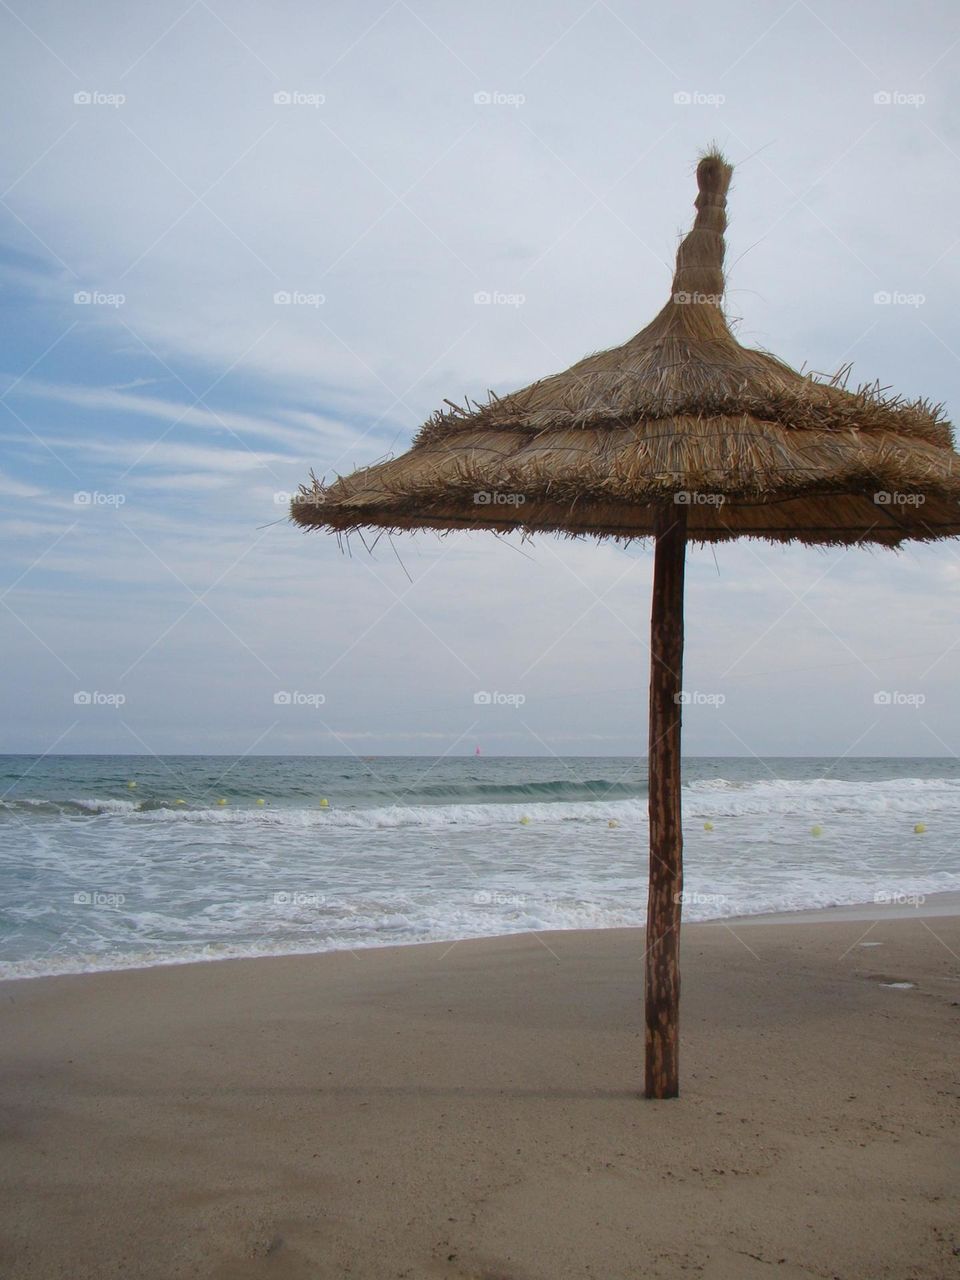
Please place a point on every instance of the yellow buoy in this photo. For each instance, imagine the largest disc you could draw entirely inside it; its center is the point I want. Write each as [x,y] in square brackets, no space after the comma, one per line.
[181,802]
[222,800]
[919,828]
[324,804]
[816,831]
[261,801]
[131,786]
[525,821]
[708,826]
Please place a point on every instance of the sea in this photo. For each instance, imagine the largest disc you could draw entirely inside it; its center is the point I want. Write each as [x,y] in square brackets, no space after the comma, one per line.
[111,862]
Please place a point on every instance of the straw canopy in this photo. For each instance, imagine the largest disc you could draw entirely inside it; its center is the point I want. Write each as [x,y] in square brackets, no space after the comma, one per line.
[680,413]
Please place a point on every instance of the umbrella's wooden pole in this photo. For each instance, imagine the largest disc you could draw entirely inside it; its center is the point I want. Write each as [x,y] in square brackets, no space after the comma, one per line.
[662,983]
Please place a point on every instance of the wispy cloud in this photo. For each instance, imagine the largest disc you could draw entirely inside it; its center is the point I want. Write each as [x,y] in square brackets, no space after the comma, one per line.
[10,488]
[114,401]
[166,453]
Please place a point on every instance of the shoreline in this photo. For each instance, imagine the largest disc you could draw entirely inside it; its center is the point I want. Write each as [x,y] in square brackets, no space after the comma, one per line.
[929,906]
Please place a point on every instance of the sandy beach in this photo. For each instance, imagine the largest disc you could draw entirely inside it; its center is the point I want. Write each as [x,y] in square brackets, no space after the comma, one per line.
[472,1111]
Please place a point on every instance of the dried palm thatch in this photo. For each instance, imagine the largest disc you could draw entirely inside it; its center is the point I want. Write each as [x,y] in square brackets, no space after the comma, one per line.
[682,412]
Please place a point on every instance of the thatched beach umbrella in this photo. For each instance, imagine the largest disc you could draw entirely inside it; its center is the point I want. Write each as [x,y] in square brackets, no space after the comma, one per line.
[680,434]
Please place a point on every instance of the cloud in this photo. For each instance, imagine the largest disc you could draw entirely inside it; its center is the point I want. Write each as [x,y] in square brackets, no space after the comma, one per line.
[27,529]
[132,454]
[10,488]
[171,412]
[177,482]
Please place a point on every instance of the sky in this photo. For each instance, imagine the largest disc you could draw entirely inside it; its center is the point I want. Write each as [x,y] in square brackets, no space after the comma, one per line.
[240,241]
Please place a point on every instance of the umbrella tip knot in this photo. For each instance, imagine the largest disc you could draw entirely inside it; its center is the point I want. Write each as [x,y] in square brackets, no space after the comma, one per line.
[713,177]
